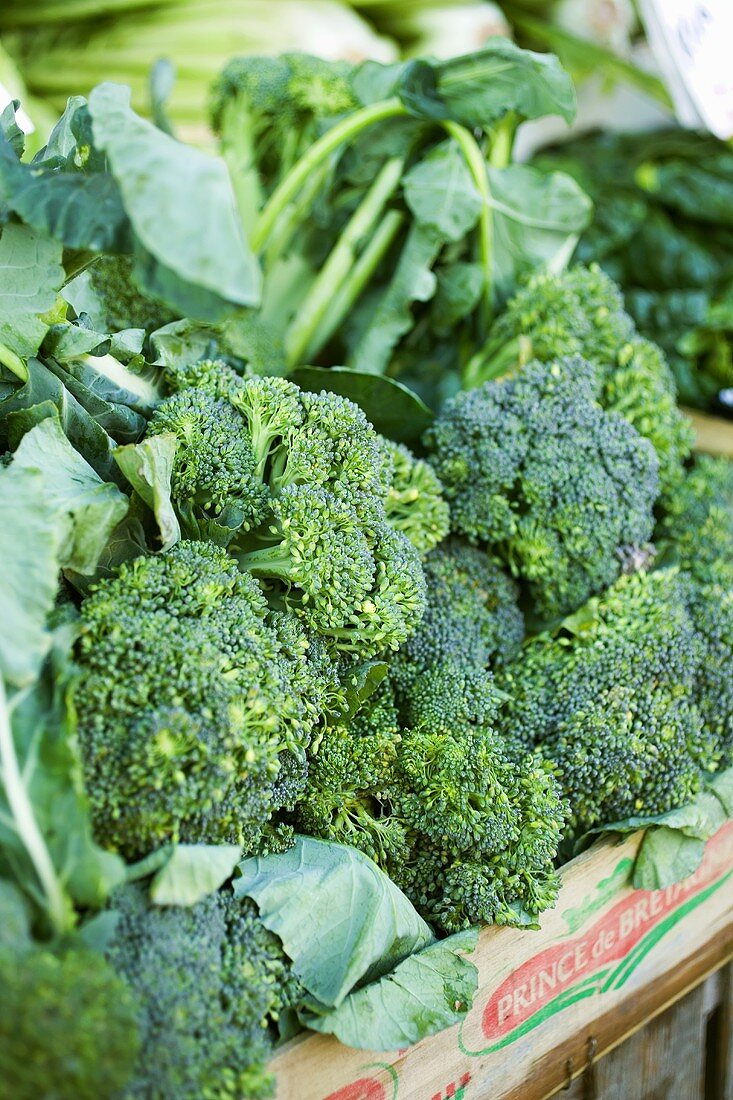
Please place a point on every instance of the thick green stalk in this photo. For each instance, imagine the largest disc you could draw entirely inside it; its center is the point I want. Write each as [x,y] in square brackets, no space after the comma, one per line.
[292,216]
[356,281]
[341,260]
[477,167]
[13,363]
[502,141]
[318,152]
[24,818]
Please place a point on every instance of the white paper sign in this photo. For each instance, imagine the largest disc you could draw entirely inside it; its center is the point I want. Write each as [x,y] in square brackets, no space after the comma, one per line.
[693,43]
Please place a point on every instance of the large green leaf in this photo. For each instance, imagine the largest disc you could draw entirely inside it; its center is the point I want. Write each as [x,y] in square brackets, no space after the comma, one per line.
[30,277]
[666,856]
[393,409]
[148,467]
[76,497]
[479,88]
[30,541]
[537,218]
[341,920]
[441,194]
[192,872]
[182,210]
[426,993]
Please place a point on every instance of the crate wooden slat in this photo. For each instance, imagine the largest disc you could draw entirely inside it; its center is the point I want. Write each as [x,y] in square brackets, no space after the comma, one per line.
[607,959]
[714,434]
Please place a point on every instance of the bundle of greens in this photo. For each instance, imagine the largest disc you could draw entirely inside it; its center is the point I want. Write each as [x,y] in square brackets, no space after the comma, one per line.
[663,231]
[255,648]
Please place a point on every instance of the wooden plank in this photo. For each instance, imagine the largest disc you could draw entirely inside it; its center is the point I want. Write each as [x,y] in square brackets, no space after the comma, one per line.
[607,959]
[714,434]
[664,1059]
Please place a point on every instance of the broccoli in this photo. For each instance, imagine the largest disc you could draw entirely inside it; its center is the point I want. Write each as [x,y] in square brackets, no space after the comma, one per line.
[297,484]
[472,617]
[415,503]
[189,700]
[697,533]
[122,304]
[206,979]
[269,111]
[465,826]
[68,1027]
[642,389]
[551,484]
[578,313]
[609,697]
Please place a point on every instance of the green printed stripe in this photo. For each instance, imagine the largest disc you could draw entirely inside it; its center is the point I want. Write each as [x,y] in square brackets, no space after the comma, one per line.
[645,945]
[563,1000]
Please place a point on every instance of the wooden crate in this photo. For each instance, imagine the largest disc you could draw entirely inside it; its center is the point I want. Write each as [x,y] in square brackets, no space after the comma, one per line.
[714,434]
[607,959]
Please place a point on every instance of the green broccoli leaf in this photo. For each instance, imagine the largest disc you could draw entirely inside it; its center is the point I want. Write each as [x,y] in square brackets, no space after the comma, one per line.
[666,856]
[30,540]
[479,88]
[75,496]
[166,188]
[356,926]
[192,872]
[441,194]
[30,276]
[148,467]
[394,410]
[537,217]
[427,992]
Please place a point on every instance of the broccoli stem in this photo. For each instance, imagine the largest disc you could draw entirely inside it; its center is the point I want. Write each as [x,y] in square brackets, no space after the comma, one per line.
[356,281]
[269,561]
[24,819]
[341,260]
[490,363]
[314,157]
[238,152]
[291,217]
[13,363]
[477,167]
[502,141]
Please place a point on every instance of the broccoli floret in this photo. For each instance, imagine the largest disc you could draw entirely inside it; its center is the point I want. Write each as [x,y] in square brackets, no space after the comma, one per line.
[68,1026]
[578,313]
[472,617]
[415,503]
[697,533]
[122,303]
[271,110]
[214,470]
[186,701]
[298,485]
[609,698]
[642,389]
[206,979]
[551,484]
[431,792]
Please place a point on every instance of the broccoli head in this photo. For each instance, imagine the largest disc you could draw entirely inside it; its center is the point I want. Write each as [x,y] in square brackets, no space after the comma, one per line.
[415,503]
[188,700]
[697,533]
[642,389]
[577,313]
[609,698]
[68,1028]
[297,485]
[206,979]
[466,827]
[271,110]
[552,485]
[472,618]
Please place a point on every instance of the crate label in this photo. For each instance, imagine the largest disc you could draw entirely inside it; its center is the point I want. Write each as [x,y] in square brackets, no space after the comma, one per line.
[583,965]
[380,1082]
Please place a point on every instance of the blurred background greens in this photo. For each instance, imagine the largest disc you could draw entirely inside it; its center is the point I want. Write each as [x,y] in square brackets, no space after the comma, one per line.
[57,48]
